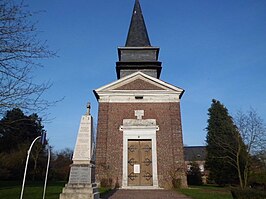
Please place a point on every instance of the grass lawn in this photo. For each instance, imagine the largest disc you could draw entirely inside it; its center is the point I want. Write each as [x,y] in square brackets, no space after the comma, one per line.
[207,192]
[11,190]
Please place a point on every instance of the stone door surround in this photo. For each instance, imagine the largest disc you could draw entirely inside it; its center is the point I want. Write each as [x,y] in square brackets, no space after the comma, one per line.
[139,129]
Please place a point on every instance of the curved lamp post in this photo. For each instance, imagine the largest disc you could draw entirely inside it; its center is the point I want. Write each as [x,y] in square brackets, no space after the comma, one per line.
[26,166]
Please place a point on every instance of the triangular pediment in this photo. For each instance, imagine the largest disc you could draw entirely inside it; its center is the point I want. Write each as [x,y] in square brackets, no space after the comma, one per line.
[139,82]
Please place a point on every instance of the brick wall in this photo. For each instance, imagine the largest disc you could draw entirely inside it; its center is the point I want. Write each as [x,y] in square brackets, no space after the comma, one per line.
[109,149]
[139,84]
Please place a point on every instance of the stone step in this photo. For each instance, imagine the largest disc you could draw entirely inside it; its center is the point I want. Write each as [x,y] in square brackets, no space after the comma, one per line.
[144,194]
[71,191]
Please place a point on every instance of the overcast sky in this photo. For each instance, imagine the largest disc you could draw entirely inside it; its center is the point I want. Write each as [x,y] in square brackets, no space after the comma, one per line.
[210,48]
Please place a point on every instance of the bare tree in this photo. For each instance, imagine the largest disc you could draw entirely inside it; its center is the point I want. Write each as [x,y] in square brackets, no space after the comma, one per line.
[20,50]
[252,130]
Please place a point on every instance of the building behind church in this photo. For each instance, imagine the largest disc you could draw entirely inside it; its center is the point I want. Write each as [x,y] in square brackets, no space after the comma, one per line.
[197,154]
[139,135]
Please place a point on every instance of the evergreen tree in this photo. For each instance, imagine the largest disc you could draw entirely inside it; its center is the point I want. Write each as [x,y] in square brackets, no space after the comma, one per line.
[17,131]
[222,143]
[17,128]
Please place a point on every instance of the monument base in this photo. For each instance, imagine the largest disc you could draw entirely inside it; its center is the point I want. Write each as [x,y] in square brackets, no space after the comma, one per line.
[78,191]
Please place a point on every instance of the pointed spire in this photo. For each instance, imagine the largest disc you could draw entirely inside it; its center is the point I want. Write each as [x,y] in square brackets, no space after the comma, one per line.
[137,34]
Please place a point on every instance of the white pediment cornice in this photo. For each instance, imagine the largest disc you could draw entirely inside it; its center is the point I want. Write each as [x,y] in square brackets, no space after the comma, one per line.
[162,91]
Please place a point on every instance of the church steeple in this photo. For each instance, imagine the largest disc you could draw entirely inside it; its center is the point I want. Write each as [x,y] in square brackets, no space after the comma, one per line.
[138,54]
[137,34]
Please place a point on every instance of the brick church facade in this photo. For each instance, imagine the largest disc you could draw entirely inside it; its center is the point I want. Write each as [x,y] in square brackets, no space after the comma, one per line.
[139,135]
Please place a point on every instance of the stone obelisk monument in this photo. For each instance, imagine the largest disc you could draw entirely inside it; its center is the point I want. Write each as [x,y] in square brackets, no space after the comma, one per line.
[81,184]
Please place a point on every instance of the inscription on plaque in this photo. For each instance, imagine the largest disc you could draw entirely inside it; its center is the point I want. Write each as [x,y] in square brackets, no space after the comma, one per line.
[80,175]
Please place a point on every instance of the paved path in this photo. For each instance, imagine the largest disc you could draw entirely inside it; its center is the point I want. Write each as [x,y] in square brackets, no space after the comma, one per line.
[145,194]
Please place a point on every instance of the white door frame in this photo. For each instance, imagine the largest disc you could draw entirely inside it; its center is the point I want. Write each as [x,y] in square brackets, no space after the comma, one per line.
[139,130]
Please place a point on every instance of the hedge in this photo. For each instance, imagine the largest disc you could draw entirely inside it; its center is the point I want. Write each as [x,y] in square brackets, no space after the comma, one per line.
[248,194]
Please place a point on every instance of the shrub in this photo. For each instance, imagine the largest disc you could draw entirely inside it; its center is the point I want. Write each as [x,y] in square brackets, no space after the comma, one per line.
[258,180]
[106,182]
[248,194]
[176,183]
[194,175]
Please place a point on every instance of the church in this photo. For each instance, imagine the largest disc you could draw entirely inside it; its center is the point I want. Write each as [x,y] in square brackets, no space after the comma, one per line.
[139,135]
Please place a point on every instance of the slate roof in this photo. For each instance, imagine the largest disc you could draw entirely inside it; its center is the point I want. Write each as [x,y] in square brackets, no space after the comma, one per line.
[137,34]
[195,153]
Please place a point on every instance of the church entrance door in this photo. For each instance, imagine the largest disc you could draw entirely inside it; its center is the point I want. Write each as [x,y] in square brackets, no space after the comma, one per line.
[140,163]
